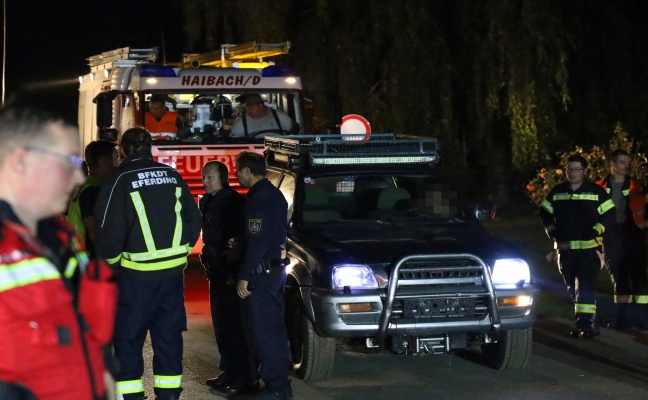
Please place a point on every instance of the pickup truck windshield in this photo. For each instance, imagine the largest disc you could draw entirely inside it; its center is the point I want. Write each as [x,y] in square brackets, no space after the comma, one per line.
[377,197]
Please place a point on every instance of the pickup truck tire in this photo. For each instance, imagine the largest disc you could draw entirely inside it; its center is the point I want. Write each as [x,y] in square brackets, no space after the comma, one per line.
[512,351]
[312,355]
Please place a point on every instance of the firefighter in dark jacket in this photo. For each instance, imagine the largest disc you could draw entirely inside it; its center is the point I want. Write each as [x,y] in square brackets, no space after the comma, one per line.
[625,244]
[56,306]
[221,208]
[148,222]
[262,275]
[575,215]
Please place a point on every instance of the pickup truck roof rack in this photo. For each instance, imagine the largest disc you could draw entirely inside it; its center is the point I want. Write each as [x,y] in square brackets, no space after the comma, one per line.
[373,149]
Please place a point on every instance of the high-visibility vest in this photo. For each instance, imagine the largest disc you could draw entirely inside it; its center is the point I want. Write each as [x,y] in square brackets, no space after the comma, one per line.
[73,215]
[633,193]
[164,128]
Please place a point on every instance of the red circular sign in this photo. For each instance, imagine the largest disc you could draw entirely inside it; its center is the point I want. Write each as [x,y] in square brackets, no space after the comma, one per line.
[354,124]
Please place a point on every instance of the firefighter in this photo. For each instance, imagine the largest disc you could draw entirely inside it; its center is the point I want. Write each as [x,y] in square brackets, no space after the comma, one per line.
[262,276]
[575,215]
[56,306]
[148,222]
[221,208]
[161,123]
[625,245]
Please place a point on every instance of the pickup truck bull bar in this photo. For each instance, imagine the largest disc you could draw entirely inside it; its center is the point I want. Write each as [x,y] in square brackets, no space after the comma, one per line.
[393,285]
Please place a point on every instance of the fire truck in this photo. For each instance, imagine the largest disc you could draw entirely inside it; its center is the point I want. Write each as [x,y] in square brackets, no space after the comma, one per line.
[206,92]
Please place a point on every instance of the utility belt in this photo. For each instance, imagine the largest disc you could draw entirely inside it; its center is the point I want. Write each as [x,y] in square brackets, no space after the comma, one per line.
[266,265]
[10,391]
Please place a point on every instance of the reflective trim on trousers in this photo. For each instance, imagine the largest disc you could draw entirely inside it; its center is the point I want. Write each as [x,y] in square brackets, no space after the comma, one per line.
[128,387]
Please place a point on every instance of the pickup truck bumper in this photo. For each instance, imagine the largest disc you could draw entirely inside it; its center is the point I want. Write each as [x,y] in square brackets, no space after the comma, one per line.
[330,321]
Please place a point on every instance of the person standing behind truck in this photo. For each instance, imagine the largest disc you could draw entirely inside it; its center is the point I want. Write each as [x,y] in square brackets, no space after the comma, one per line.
[148,222]
[262,275]
[575,215]
[161,123]
[625,244]
[56,306]
[221,208]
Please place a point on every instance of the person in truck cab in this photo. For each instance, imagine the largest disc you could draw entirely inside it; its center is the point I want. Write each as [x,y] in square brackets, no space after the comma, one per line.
[161,123]
[259,120]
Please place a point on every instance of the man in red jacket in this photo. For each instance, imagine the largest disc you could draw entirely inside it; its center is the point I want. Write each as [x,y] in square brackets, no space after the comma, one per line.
[56,306]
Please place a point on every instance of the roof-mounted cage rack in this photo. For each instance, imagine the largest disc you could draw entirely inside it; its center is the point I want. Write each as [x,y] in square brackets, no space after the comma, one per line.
[376,148]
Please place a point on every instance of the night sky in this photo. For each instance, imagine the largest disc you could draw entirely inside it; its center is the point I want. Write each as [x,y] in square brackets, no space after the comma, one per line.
[48,43]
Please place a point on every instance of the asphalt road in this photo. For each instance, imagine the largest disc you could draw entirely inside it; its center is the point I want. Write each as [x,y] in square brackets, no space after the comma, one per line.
[559,367]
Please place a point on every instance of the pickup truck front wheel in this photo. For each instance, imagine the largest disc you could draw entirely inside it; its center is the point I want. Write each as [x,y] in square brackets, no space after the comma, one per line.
[512,350]
[312,355]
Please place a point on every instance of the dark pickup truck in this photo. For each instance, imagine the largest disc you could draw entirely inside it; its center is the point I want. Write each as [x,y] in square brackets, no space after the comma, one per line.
[383,254]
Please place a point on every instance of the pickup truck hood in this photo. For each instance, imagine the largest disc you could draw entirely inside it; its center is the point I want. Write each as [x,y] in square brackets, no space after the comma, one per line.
[374,242]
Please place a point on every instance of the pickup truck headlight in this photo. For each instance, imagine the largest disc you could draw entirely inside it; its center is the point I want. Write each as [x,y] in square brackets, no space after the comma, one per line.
[511,270]
[354,276]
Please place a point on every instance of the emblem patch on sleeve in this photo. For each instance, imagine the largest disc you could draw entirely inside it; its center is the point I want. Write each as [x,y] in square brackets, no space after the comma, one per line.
[254,225]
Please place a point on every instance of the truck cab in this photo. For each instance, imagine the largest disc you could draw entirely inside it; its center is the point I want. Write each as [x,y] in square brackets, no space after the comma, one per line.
[382,253]
[204,90]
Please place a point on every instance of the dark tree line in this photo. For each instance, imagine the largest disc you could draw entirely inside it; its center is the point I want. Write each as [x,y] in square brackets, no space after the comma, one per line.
[502,83]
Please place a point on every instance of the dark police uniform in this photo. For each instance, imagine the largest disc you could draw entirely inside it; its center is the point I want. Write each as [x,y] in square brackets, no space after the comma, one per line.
[576,220]
[222,220]
[148,222]
[265,219]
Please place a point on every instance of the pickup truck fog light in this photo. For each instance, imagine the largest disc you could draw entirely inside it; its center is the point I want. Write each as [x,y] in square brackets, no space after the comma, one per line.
[355,307]
[517,301]
[354,276]
[511,270]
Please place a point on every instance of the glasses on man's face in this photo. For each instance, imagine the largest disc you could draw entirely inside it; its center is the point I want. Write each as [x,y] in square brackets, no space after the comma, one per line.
[577,170]
[71,162]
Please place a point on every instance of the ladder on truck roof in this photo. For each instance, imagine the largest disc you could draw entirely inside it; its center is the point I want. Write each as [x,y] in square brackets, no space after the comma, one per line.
[251,53]
[124,55]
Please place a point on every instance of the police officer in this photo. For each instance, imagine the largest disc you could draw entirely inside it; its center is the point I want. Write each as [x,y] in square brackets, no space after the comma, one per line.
[56,306]
[625,245]
[221,208]
[575,214]
[148,222]
[262,276]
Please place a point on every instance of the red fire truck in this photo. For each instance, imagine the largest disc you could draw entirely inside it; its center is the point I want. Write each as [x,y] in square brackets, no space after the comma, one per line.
[205,90]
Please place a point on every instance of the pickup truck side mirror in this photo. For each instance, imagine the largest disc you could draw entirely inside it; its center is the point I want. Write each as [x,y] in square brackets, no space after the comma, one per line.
[484,210]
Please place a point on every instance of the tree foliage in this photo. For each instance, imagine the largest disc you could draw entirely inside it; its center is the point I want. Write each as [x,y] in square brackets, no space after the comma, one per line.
[501,83]
[598,164]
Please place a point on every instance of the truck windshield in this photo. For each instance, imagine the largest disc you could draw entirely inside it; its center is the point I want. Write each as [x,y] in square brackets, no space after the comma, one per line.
[209,116]
[377,197]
